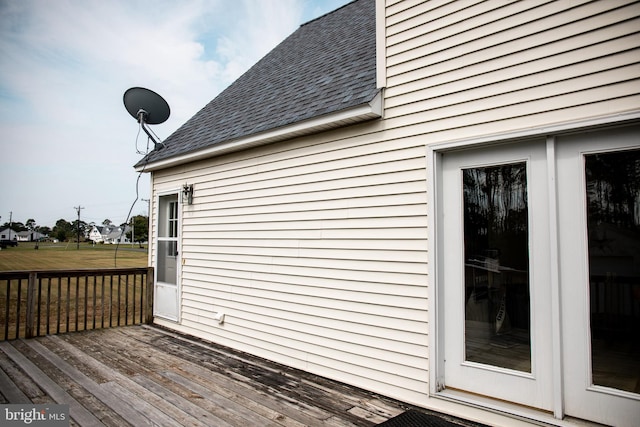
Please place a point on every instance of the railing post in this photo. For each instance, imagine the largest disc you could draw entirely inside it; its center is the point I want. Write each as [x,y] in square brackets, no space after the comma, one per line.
[31,304]
[149,294]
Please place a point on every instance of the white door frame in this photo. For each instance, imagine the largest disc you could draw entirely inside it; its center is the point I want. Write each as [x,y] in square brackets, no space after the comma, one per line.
[434,154]
[532,388]
[600,403]
[156,222]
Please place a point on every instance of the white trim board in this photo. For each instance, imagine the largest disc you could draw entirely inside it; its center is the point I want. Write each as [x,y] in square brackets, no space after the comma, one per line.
[362,113]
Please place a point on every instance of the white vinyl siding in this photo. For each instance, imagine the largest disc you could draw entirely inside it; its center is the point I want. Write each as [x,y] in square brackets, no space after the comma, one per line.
[470,70]
[462,69]
[315,251]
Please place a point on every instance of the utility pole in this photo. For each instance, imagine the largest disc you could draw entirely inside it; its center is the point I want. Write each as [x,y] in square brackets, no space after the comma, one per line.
[78,208]
[10,223]
[148,206]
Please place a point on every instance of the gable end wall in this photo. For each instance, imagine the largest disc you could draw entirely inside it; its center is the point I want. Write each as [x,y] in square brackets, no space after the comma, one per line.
[316,249]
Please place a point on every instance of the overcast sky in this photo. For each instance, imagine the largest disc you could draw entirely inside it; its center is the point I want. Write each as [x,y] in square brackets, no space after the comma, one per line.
[66,139]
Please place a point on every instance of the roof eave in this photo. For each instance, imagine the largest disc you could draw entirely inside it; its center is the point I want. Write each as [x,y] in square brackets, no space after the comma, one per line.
[357,114]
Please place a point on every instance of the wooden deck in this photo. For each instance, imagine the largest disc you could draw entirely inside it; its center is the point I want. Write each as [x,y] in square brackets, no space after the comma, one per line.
[142,375]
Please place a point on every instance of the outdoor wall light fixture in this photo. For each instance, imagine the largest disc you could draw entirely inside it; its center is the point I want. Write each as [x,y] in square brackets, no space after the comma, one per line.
[187,194]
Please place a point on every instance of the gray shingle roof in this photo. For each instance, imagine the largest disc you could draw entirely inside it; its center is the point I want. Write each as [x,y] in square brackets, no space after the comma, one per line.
[327,65]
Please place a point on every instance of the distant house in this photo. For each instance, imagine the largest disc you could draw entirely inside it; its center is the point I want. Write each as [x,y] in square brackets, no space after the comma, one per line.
[117,235]
[95,234]
[8,234]
[109,234]
[21,236]
[30,236]
[435,201]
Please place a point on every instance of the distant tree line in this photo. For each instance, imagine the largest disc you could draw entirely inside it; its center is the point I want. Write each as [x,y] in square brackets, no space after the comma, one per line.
[65,230]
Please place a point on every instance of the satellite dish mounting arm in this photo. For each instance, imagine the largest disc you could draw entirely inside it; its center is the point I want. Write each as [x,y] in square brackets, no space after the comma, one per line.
[142,119]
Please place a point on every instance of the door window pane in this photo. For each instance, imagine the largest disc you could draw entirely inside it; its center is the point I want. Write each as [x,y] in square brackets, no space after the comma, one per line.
[168,216]
[173,219]
[167,262]
[496,245]
[613,212]
[167,251]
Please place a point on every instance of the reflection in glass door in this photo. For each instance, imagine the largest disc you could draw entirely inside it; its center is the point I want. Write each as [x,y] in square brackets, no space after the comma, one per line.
[613,222]
[493,227]
[497,266]
[599,234]
[559,333]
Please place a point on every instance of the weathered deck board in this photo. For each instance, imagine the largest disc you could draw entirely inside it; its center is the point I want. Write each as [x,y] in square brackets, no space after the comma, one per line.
[77,412]
[10,391]
[151,362]
[20,380]
[138,396]
[147,376]
[298,390]
[126,410]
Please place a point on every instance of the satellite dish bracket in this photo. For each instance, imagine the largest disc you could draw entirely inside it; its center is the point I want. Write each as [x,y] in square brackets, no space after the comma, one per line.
[142,119]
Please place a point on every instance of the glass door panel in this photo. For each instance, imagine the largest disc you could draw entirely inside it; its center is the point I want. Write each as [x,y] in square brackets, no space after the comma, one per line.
[598,185]
[493,226]
[613,222]
[168,240]
[497,306]
[167,261]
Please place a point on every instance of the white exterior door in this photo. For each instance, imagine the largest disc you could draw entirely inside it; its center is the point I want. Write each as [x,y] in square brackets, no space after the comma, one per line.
[539,275]
[167,293]
[599,230]
[496,273]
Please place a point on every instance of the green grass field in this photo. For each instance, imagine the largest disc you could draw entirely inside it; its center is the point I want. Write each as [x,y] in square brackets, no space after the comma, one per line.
[75,301]
[59,256]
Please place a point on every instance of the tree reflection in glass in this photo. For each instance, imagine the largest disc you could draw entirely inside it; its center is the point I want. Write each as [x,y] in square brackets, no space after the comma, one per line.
[496,245]
[613,218]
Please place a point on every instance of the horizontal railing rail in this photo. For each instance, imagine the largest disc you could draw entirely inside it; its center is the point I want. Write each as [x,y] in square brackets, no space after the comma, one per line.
[43,302]
[615,303]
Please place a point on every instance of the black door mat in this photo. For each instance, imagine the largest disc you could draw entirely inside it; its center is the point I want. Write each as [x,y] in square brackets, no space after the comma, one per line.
[414,418]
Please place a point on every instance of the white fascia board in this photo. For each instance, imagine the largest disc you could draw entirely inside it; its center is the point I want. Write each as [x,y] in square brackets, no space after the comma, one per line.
[347,117]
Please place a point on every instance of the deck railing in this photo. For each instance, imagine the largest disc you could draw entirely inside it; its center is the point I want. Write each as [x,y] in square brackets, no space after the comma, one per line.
[43,302]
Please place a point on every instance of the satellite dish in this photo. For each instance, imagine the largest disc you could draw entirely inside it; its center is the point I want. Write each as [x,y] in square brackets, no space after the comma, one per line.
[147,107]
[139,100]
